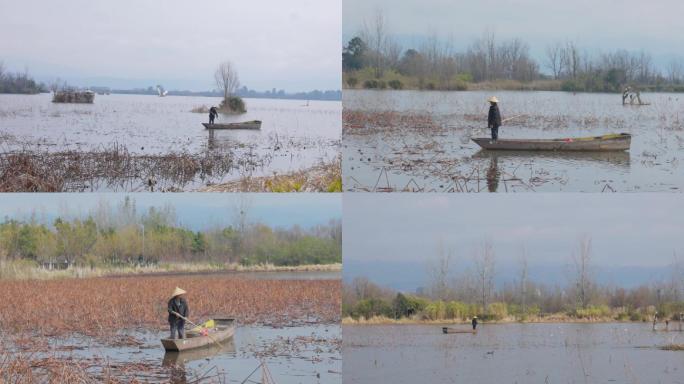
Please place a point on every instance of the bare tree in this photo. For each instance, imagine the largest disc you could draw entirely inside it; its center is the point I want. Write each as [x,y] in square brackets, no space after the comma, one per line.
[583,274]
[674,71]
[484,267]
[439,271]
[226,78]
[553,59]
[523,279]
[376,35]
[2,70]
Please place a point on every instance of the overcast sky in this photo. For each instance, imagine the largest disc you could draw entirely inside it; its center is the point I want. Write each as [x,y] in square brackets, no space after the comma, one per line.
[294,44]
[603,25]
[195,210]
[627,230]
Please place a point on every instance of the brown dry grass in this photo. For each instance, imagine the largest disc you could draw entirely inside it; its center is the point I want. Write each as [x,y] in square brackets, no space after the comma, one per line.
[100,306]
[323,177]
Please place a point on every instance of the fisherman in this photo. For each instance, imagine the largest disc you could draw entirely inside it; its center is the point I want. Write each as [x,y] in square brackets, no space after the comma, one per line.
[474,322]
[178,306]
[213,113]
[494,119]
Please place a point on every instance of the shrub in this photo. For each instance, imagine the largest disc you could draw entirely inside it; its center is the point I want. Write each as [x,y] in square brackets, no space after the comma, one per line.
[370,84]
[497,311]
[407,305]
[396,84]
[352,81]
[234,104]
[435,310]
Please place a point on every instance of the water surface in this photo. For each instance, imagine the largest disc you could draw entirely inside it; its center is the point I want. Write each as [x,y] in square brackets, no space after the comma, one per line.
[442,158]
[512,353]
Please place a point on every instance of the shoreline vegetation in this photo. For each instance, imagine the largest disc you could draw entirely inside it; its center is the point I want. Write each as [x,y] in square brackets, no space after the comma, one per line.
[122,239]
[30,271]
[375,59]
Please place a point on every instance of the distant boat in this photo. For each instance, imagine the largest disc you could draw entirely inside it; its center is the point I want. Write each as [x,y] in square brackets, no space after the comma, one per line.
[161,91]
[447,330]
[254,124]
[81,97]
[612,142]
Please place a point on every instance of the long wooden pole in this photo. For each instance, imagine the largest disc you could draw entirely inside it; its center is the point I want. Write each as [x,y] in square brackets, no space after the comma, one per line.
[188,320]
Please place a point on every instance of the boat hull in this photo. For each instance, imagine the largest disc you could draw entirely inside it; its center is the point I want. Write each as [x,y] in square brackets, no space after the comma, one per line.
[223,330]
[447,330]
[256,124]
[616,142]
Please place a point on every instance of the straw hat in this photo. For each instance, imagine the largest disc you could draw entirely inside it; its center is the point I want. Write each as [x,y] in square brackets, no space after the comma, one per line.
[474,317]
[178,291]
[493,99]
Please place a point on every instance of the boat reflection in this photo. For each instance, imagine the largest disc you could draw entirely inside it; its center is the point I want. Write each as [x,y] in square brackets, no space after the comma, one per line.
[616,158]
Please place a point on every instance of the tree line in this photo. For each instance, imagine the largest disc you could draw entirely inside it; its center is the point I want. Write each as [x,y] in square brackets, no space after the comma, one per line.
[474,293]
[18,82]
[125,237]
[374,55]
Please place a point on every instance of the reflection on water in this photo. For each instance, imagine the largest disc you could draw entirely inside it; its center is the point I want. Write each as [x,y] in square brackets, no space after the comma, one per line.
[510,353]
[443,157]
[493,174]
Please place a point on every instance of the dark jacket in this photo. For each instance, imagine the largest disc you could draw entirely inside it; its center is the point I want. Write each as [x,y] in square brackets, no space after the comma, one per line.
[474,322]
[178,305]
[494,119]
[213,112]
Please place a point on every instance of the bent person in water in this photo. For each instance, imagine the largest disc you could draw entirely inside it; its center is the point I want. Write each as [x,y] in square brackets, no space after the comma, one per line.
[213,113]
[178,306]
[494,118]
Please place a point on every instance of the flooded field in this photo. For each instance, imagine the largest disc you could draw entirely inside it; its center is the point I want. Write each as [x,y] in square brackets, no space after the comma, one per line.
[512,353]
[161,139]
[420,141]
[301,354]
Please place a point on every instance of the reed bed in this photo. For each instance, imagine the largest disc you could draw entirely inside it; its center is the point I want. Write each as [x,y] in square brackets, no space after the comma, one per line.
[34,170]
[99,307]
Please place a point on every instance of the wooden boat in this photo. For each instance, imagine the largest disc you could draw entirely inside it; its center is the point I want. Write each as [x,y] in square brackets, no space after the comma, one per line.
[612,142]
[222,329]
[447,330]
[173,358]
[254,124]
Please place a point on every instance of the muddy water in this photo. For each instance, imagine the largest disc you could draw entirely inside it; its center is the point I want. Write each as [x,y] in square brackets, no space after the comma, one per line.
[512,353]
[304,354]
[444,159]
[293,135]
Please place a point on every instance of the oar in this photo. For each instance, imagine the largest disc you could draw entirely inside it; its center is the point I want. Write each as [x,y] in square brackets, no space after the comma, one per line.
[510,118]
[188,320]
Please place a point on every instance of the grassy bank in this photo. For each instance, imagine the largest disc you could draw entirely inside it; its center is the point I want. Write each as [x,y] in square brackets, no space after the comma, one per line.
[323,177]
[551,318]
[22,270]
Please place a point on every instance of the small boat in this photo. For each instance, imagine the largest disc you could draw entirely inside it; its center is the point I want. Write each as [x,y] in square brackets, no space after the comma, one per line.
[611,142]
[172,358]
[218,329]
[447,330]
[254,124]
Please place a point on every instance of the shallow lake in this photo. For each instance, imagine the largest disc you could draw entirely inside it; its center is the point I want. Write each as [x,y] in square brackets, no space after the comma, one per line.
[512,353]
[442,158]
[295,134]
[302,354]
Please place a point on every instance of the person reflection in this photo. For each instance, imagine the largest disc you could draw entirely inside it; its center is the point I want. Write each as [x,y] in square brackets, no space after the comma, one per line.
[493,174]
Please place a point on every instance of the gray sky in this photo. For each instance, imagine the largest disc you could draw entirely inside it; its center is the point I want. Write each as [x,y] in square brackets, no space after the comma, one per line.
[655,26]
[292,44]
[195,210]
[628,230]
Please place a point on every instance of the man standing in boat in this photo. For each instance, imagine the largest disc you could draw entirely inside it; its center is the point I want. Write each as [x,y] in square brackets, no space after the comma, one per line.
[494,118]
[474,322]
[178,306]
[213,113]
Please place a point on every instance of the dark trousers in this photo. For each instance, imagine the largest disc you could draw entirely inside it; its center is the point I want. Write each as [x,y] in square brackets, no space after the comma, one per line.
[211,119]
[177,326]
[495,133]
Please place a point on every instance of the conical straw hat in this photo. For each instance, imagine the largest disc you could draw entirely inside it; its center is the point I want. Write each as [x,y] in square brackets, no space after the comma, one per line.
[177,292]
[493,99]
